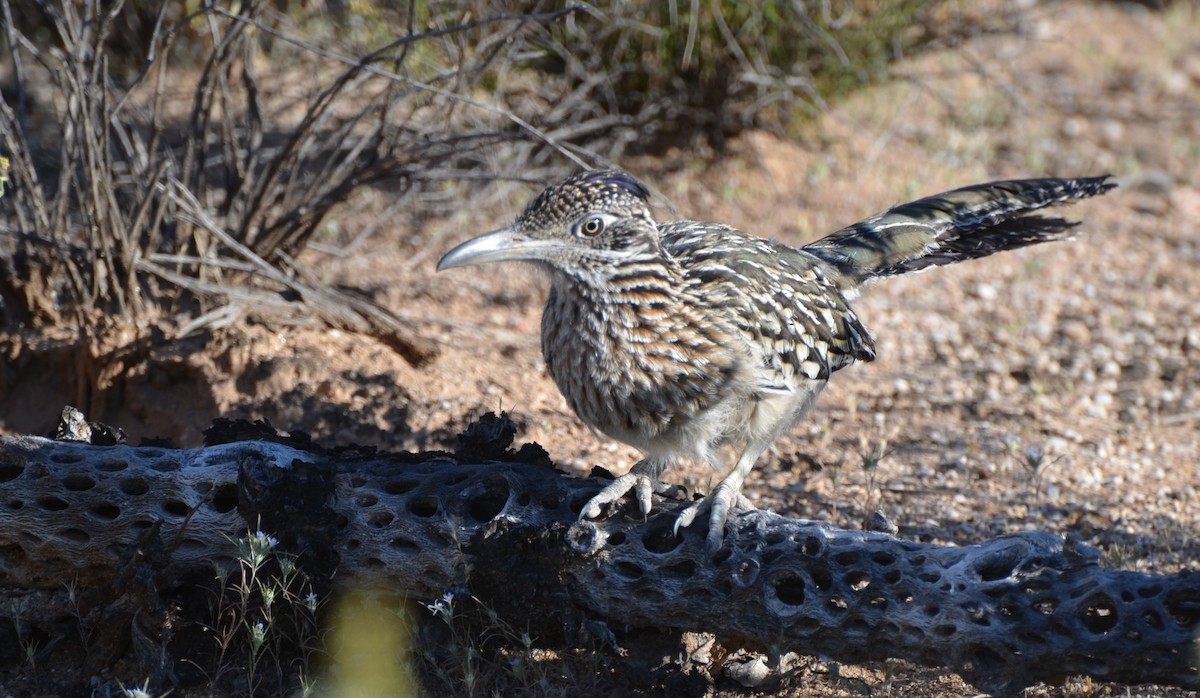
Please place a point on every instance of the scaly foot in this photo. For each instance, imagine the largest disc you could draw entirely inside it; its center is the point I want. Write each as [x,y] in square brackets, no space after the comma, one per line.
[718,505]
[643,486]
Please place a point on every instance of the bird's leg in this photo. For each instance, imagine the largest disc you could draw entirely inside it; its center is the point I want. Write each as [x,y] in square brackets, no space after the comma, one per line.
[726,496]
[642,478]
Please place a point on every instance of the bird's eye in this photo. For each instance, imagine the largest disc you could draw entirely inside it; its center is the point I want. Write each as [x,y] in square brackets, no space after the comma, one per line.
[592,226]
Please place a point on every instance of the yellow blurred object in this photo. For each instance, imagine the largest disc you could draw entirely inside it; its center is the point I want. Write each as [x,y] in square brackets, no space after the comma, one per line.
[370,644]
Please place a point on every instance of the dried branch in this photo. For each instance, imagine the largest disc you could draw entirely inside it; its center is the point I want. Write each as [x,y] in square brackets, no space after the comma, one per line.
[1005,613]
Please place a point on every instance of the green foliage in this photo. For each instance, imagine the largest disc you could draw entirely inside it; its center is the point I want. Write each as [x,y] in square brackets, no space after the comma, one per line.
[725,65]
[263,617]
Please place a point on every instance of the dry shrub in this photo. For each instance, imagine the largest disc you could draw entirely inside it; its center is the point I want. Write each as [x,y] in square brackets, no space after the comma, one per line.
[170,161]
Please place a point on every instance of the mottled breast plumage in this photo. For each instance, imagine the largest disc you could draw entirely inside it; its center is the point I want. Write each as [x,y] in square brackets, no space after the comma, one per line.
[635,369]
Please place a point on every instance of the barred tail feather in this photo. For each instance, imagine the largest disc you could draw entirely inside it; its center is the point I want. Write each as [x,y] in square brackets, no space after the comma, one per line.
[963,224]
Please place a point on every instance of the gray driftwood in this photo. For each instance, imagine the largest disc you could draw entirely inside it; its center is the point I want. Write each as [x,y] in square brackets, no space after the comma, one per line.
[1004,614]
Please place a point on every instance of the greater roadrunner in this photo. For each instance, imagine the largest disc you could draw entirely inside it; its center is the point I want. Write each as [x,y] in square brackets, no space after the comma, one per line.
[679,337]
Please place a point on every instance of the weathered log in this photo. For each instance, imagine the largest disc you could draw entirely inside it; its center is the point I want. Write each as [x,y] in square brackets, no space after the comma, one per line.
[1004,614]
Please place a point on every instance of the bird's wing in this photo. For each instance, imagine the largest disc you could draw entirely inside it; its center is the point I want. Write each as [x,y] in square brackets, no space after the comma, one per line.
[792,315]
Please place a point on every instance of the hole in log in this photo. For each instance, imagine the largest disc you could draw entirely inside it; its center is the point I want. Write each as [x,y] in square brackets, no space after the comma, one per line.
[812,546]
[1152,619]
[524,499]
[997,568]
[821,577]
[108,466]
[367,499]
[10,471]
[984,660]
[380,519]
[892,576]
[134,487]
[658,535]
[165,466]
[488,504]
[976,613]
[551,502]
[105,512]
[629,570]
[1184,607]
[683,569]
[403,544]
[52,503]
[1150,591]
[789,589]
[617,538]
[174,507]
[884,559]
[1100,613]
[225,499]
[399,486]
[66,458]
[79,482]
[745,572]
[858,580]
[423,506]
[16,504]
[849,558]
[944,630]
[578,503]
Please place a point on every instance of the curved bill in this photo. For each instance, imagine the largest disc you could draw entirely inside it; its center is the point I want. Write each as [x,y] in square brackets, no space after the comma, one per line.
[504,245]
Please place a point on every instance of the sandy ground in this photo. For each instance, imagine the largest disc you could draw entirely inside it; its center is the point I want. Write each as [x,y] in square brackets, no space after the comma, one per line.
[1087,352]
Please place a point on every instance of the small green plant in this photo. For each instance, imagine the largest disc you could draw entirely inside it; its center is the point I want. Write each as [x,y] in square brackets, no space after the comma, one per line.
[29,646]
[1120,556]
[474,650]
[1033,461]
[871,452]
[1033,458]
[142,691]
[265,610]
[472,629]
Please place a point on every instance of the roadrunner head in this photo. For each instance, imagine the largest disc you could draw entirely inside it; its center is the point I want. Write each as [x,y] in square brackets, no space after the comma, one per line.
[584,227]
